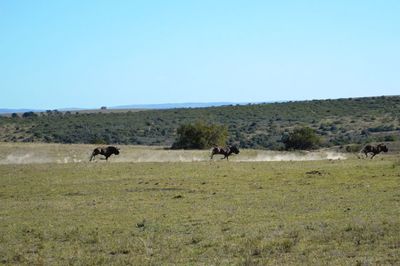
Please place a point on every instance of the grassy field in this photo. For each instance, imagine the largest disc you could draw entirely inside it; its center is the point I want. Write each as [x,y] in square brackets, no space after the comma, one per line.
[336,212]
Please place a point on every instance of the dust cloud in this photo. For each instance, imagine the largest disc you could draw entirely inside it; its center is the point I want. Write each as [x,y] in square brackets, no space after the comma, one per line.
[270,156]
[27,158]
[142,155]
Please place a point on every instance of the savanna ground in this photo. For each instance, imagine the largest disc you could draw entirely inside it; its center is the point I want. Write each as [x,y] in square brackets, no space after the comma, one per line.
[69,211]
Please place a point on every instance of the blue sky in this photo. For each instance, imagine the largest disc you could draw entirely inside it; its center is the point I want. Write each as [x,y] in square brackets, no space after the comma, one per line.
[57,54]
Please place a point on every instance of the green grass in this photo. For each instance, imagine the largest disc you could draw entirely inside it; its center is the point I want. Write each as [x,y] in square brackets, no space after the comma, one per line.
[343,212]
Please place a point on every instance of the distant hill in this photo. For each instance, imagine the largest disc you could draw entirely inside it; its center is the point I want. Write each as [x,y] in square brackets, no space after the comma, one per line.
[173,105]
[127,107]
[337,122]
[20,111]
[10,111]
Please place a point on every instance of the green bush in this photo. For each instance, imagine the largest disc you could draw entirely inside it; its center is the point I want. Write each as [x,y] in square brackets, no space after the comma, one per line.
[29,114]
[390,138]
[303,138]
[200,136]
[353,148]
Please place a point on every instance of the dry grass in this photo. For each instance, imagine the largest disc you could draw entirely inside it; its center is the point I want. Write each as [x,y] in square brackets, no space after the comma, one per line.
[343,212]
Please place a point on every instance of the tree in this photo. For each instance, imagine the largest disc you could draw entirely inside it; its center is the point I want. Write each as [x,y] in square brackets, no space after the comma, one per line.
[200,136]
[29,114]
[303,138]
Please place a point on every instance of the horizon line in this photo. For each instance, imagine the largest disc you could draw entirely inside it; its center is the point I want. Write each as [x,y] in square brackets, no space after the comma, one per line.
[143,105]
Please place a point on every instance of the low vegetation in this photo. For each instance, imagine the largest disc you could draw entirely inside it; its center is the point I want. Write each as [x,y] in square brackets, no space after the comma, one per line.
[200,136]
[303,138]
[339,212]
[261,126]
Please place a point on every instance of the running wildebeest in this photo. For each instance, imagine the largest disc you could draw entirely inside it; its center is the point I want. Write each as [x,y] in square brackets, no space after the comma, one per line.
[106,151]
[374,149]
[227,151]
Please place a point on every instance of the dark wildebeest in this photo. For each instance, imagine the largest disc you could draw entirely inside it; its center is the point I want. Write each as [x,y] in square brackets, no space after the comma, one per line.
[227,151]
[106,151]
[374,149]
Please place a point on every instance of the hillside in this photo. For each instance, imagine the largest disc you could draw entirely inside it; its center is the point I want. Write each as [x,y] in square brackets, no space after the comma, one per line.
[338,122]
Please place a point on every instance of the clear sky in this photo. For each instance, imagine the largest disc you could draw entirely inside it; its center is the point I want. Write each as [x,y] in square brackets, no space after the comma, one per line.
[57,54]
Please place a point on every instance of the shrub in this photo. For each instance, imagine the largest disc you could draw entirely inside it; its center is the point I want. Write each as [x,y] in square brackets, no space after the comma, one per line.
[390,138]
[353,148]
[29,114]
[200,136]
[381,128]
[303,138]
